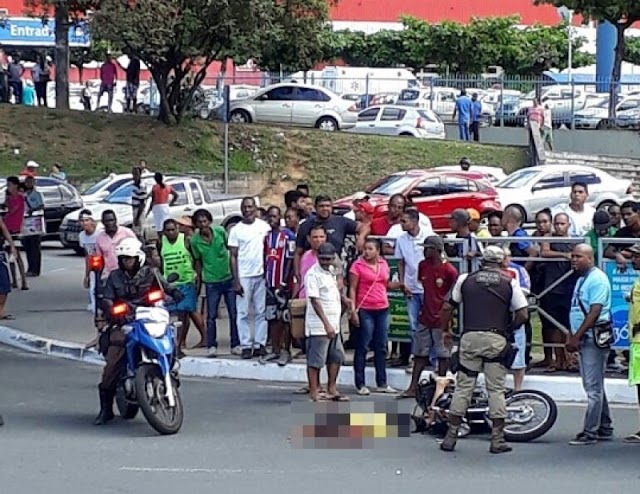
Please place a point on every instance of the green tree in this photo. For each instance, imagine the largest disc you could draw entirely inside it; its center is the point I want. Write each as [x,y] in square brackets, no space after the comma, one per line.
[179,39]
[620,13]
[79,56]
[294,38]
[66,14]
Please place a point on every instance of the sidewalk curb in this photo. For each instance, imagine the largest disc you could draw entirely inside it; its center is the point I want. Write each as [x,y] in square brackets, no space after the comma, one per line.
[565,389]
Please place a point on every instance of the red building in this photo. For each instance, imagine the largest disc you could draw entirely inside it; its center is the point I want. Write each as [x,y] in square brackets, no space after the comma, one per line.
[440,10]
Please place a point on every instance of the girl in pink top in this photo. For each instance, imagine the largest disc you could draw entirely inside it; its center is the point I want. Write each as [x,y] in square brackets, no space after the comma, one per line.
[368,285]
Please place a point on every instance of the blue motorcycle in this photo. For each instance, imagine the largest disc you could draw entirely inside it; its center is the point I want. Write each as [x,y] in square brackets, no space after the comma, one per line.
[150,380]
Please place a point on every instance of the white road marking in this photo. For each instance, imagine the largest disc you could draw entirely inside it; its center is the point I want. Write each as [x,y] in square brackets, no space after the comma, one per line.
[57,270]
[243,471]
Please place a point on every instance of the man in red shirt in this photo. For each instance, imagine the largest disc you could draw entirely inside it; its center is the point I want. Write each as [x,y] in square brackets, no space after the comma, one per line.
[438,277]
[108,75]
[381,226]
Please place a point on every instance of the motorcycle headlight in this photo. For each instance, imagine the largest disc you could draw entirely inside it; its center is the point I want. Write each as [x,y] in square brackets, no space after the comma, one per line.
[155,329]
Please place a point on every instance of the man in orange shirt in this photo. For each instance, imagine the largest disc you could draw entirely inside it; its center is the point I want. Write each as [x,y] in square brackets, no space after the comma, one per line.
[30,169]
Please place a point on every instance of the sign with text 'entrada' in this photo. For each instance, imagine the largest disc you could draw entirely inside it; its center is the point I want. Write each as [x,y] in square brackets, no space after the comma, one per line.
[25,31]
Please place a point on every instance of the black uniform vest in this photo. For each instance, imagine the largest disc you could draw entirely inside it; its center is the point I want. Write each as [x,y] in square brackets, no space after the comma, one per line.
[486,301]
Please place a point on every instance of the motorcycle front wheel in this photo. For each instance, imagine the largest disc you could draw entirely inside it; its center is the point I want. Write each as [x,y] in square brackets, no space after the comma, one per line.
[531,414]
[127,410]
[150,393]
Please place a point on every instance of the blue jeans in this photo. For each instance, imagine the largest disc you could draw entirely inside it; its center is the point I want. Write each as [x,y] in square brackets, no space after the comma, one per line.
[593,363]
[463,127]
[374,325]
[215,291]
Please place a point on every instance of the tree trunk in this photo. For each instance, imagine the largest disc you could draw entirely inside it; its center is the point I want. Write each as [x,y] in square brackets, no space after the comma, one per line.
[81,73]
[164,113]
[614,87]
[62,55]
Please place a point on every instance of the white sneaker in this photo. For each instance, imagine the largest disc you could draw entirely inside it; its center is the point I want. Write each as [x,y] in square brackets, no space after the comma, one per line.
[212,352]
[90,308]
[363,391]
[236,350]
[387,390]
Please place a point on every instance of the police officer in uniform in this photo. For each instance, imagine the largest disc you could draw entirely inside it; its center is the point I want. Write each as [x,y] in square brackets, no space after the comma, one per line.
[493,307]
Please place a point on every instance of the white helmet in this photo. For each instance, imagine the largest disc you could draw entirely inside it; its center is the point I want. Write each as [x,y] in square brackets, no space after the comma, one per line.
[131,247]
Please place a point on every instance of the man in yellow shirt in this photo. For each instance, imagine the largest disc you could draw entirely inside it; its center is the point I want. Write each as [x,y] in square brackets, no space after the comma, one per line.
[634,334]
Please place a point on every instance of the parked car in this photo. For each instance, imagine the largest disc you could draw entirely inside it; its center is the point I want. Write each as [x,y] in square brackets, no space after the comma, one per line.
[296,104]
[435,193]
[594,117]
[535,188]
[393,120]
[564,102]
[192,195]
[442,100]
[60,199]
[495,174]
[101,189]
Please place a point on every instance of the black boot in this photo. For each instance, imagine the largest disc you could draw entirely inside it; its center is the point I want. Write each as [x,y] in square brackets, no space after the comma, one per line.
[450,440]
[106,406]
[498,442]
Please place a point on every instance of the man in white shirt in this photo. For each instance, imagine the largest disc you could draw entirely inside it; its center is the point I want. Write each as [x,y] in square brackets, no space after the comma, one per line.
[409,250]
[322,324]
[87,240]
[580,214]
[246,245]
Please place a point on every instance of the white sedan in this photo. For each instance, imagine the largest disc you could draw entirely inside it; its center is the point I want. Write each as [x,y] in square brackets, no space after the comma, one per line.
[539,187]
[396,120]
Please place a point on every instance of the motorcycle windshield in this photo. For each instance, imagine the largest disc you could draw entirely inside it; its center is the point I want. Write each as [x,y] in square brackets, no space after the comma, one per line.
[155,320]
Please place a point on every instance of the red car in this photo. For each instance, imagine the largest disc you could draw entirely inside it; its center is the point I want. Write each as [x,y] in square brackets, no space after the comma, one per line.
[435,193]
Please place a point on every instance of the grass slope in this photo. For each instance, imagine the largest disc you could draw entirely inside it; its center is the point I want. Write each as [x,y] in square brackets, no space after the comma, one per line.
[90,145]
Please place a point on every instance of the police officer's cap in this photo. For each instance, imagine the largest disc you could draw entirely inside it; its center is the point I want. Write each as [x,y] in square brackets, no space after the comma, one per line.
[493,254]
[434,241]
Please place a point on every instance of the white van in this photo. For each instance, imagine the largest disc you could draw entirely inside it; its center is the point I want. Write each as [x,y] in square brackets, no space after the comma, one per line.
[363,80]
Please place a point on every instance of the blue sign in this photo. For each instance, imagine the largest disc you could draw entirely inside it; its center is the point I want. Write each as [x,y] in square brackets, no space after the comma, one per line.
[621,286]
[25,31]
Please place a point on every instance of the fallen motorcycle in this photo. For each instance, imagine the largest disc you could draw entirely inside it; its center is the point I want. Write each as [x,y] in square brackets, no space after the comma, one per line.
[531,413]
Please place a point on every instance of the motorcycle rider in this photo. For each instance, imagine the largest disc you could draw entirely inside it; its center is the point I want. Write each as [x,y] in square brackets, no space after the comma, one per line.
[488,298]
[130,282]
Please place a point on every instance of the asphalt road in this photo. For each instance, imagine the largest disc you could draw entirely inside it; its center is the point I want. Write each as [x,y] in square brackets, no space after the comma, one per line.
[235,439]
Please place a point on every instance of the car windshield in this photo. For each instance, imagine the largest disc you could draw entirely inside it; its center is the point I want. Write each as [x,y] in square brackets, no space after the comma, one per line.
[93,189]
[429,116]
[518,179]
[120,196]
[393,184]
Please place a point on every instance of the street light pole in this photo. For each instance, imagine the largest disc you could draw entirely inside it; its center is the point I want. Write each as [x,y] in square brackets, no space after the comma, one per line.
[570,36]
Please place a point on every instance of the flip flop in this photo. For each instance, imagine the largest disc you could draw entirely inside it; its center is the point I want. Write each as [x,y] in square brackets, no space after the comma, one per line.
[632,439]
[337,398]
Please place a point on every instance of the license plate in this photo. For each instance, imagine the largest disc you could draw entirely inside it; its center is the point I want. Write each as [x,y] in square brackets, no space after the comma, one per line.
[72,237]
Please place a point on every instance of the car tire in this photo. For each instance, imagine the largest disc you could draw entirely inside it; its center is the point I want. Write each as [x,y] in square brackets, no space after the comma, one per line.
[328,124]
[606,205]
[406,134]
[231,222]
[240,116]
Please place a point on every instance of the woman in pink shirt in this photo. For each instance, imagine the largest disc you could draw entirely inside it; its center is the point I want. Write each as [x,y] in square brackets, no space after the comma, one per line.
[368,285]
[15,204]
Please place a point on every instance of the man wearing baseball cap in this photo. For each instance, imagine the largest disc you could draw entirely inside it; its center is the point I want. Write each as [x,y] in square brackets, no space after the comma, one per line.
[358,199]
[30,169]
[489,299]
[474,224]
[470,248]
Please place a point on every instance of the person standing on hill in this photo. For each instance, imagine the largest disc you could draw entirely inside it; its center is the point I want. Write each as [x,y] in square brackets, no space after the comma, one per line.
[108,75]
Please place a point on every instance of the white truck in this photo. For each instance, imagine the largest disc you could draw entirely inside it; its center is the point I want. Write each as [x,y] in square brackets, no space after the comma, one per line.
[365,80]
[192,195]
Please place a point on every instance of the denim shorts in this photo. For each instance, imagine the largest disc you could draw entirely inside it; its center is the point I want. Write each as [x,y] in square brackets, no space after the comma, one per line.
[189,303]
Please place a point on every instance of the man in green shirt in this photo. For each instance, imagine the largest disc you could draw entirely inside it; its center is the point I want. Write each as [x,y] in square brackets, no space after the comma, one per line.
[601,228]
[213,268]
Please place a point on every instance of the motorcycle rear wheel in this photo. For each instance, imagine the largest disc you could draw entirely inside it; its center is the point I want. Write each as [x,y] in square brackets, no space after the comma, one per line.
[150,390]
[127,410]
[518,428]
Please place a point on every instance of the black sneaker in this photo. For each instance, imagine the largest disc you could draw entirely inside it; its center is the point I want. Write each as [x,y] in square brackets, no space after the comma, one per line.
[246,354]
[604,435]
[260,352]
[583,439]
